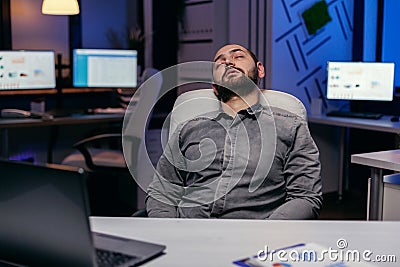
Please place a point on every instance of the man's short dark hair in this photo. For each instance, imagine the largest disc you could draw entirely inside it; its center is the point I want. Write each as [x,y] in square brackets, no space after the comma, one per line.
[253,56]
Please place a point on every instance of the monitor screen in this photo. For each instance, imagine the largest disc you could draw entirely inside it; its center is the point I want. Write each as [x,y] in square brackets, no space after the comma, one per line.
[360,81]
[105,68]
[27,70]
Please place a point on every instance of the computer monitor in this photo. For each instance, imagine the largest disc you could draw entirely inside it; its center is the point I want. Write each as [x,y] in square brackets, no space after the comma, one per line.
[360,81]
[104,68]
[22,70]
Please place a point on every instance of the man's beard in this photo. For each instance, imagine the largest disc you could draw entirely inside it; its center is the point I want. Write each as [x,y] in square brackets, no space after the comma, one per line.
[240,86]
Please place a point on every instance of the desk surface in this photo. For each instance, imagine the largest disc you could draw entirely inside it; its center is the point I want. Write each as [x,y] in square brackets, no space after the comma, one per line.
[382,125]
[78,119]
[389,160]
[209,242]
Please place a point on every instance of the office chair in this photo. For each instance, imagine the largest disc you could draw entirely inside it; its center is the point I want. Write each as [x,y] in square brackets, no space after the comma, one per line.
[193,103]
[90,157]
[103,156]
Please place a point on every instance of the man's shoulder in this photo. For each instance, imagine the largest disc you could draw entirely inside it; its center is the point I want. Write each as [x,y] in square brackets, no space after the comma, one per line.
[203,118]
[199,121]
[279,112]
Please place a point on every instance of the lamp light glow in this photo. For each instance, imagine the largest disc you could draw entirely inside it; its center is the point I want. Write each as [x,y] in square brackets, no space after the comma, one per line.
[60,7]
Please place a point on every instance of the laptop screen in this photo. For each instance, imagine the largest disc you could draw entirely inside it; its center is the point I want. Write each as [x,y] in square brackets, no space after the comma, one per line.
[44,212]
[44,221]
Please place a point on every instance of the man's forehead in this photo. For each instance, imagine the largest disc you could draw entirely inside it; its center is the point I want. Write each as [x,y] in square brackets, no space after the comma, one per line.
[228,48]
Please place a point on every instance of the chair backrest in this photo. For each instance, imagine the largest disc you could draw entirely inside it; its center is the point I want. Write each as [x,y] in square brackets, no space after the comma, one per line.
[136,124]
[139,110]
[193,103]
[147,73]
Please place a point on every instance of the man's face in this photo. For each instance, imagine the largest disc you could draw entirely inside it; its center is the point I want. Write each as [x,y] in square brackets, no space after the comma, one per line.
[235,69]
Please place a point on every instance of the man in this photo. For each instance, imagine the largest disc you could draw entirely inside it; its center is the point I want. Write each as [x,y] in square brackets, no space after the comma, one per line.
[244,161]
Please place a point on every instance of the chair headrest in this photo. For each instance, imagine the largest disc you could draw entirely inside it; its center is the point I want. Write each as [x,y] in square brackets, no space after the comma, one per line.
[194,103]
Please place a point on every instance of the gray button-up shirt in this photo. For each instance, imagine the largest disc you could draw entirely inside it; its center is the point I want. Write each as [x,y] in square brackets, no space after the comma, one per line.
[261,164]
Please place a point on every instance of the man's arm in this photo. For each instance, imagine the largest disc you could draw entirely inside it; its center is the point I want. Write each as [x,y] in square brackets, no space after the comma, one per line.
[162,195]
[302,171]
[165,191]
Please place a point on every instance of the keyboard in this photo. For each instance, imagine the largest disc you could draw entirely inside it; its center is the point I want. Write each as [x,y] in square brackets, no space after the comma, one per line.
[350,114]
[109,110]
[65,112]
[107,258]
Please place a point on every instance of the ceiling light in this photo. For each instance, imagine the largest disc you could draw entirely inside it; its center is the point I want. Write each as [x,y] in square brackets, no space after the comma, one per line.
[60,7]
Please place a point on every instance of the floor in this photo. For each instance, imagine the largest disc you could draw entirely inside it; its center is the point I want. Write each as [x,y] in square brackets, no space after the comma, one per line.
[352,206]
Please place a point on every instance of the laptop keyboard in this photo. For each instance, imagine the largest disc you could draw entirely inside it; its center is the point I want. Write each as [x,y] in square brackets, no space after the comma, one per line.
[107,258]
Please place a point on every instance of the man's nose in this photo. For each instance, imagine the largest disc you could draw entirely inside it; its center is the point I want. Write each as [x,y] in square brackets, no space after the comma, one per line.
[229,62]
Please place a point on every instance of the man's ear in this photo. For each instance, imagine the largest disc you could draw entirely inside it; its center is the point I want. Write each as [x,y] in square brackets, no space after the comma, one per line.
[214,89]
[260,70]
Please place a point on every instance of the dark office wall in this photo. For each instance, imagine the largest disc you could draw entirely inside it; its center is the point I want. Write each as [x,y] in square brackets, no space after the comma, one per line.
[165,33]
[389,37]
[376,38]
[140,22]
[358,34]
[33,30]
[165,43]
[100,19]
[5,25]
[75,32]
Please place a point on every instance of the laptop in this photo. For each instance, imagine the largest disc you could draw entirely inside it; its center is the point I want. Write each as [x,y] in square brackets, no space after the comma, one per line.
[44,221]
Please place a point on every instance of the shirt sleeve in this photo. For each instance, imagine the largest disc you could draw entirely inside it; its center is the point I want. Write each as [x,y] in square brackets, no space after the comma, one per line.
[165,191]
[302,171]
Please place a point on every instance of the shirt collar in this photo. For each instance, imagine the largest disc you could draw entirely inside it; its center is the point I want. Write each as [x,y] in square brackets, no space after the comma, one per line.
[254,110]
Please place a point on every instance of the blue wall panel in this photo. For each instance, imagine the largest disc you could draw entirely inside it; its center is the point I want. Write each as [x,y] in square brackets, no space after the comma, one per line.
[298,59]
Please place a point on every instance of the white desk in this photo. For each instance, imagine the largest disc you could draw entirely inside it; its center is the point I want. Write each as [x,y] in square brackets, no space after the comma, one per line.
[378,161]
[210,242]
[382,125]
